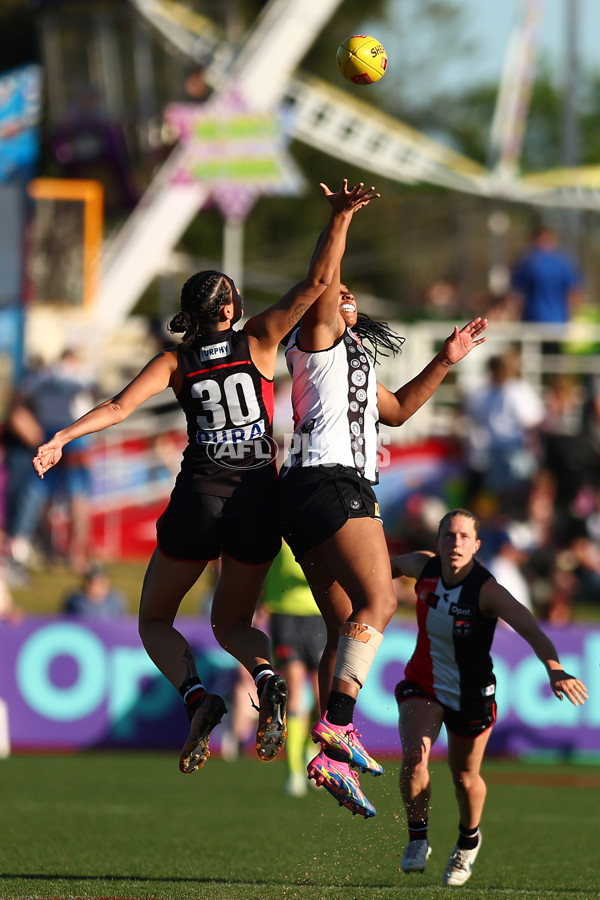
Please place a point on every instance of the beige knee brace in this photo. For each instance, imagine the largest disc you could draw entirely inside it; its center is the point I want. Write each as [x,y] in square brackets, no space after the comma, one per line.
[357,647]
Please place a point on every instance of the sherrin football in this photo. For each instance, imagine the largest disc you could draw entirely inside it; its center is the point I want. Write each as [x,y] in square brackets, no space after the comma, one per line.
[362,59]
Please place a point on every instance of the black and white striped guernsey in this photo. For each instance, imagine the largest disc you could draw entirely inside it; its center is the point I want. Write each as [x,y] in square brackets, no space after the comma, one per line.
[334,396]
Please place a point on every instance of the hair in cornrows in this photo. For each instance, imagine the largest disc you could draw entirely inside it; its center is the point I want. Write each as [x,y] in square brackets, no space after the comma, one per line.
[378,334]
[202,296]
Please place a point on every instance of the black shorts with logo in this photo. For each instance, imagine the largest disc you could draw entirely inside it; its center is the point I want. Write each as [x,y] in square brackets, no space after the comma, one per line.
[315,501]
[197,526]
[300,638]
[473,719]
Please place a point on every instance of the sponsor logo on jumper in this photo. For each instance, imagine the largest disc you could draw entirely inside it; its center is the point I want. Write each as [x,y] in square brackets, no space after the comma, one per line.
[240,435]
[215,351]
[460,611]
[488,691]
[429,598]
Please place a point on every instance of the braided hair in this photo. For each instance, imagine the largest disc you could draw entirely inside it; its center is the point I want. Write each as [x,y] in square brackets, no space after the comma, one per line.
[202,297]
[378,334]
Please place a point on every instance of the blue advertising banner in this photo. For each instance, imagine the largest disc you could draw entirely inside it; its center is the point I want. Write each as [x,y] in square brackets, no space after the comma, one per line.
[74,684]
[20,99]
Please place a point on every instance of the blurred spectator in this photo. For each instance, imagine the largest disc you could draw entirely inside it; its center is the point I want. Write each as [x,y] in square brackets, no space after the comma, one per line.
[442,299]
[21,436]
[49,398]
[591,430]
[501,433]
[416,523]
[558,610]
[565,450]
[586,556]
[505,564]
[546,284]
[96,598]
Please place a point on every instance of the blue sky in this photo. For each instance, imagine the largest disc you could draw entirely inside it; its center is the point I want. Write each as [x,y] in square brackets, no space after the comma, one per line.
[488,25]
[490,22]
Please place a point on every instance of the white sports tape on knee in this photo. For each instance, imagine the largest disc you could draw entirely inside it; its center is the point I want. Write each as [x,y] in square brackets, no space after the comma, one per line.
[357,647]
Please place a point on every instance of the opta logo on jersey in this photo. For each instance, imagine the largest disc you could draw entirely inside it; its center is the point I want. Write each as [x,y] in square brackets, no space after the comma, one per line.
[215,351]
[245,454]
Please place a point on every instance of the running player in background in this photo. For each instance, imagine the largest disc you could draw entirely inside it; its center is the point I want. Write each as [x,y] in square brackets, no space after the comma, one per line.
[328,510]
[223,502]
[298,638]
[449,681]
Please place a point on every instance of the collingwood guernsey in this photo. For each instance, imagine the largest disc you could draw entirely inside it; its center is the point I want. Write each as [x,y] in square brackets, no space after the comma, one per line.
[334,395]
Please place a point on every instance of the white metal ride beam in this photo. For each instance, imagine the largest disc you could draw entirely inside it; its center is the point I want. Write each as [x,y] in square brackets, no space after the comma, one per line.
[336,123]
[139,251]
[285,31]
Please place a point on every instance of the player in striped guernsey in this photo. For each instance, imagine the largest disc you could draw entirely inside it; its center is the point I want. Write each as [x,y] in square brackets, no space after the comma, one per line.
[449,680]
[223,502]
[329,513]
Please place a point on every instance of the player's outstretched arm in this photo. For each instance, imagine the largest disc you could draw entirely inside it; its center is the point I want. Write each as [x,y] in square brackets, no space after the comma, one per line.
[154,378]
[270,326]
[396,408]
[496,601]
[410,564]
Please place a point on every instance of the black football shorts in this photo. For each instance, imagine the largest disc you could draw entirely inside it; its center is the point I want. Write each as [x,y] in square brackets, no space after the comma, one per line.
[298,638]
[197,526]
[474,717]
[315,501]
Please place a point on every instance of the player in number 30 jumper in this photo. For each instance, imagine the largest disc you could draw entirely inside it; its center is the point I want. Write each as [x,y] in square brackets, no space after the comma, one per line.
[223,502]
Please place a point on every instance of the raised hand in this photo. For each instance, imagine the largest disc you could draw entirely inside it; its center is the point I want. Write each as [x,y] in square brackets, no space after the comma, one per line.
[462,342]
[47,456]
[349,199]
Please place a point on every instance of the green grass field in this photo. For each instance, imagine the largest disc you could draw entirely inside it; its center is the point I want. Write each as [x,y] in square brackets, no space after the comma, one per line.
[131,826]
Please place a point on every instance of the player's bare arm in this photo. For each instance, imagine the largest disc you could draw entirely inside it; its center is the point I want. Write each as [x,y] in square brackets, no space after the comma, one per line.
[327,319]
[410,564]
[158,374]
[268,328]
[397,407]
[496,601]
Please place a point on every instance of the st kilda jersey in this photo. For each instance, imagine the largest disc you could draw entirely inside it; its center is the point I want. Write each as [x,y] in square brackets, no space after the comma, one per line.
[228,406]
[334,396]
[452,659]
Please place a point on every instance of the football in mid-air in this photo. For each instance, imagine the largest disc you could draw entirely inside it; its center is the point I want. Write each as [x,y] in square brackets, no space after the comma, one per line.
[361,59]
